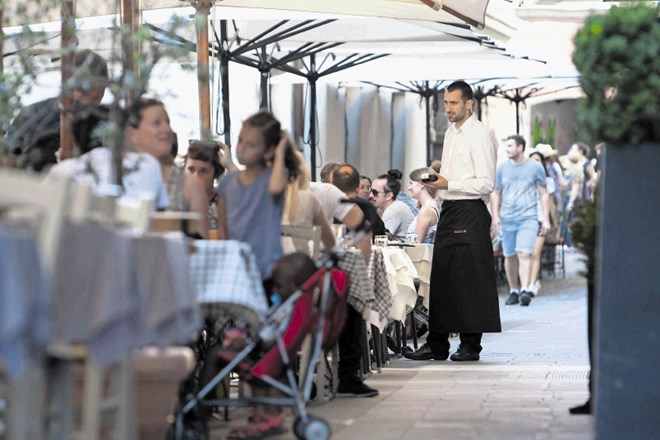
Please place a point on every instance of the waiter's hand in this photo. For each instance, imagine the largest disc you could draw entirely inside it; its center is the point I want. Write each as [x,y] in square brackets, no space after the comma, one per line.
[440,183]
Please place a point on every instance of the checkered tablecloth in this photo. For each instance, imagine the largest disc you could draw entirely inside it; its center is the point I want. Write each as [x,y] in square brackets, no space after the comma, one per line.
[225,273]
[360,286]
[382,289]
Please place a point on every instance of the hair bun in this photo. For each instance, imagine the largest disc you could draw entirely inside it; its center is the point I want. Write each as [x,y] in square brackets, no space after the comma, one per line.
[396,174]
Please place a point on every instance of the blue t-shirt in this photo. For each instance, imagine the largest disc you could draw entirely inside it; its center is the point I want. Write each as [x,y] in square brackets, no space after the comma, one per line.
[254,216]
[519,184]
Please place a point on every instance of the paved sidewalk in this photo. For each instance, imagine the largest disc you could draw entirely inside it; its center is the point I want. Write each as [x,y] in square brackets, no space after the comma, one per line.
[528,377]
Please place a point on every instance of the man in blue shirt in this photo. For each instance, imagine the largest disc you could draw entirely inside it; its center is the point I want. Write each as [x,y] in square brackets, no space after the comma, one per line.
[518,181]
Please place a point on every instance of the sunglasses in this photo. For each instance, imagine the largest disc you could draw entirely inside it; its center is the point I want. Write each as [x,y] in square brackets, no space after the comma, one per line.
[375,193]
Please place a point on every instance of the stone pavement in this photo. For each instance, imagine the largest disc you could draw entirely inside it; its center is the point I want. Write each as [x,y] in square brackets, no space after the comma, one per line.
[527,379]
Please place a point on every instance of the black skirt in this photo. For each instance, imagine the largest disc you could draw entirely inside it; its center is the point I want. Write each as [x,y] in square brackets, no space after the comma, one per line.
[463,292]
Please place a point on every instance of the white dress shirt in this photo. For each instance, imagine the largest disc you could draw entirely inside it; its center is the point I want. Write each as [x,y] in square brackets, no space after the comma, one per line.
[468,161]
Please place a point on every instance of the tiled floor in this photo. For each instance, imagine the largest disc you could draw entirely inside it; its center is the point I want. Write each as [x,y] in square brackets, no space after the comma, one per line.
[528,377]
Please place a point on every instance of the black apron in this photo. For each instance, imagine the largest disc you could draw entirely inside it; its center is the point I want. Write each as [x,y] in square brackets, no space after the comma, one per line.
[463,292]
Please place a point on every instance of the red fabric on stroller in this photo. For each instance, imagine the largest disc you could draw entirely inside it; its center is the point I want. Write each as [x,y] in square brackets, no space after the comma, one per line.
[304,320]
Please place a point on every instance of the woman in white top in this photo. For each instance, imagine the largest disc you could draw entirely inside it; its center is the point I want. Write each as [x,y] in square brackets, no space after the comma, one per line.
[426,220]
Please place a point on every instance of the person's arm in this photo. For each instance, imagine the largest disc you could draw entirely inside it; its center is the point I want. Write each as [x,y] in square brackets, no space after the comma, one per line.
[352,220]
[495,198]
[576,188]
[425,219]
[194,192]
[222,217]
[278,179]
[545,205]
[327,236]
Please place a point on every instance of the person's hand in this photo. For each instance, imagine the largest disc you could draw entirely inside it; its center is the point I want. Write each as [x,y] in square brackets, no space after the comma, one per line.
[495,226]
[439,183]
[226,159]
[545,227]
[283,144]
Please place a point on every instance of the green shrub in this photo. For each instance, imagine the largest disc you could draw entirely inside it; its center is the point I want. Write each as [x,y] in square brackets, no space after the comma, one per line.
[618,56]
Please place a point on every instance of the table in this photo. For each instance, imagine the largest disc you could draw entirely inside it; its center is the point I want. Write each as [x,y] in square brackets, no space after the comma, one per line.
[401,275]
[421,256]
[227,281]
[119,289]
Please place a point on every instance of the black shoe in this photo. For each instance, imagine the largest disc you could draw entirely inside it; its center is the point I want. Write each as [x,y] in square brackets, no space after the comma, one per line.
[354,387]
[513,299]
[424,353]
[462,355]
[585,408]
[525,298]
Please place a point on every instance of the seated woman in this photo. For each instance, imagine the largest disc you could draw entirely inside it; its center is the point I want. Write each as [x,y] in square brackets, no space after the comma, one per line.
[141,174]
[302,208]
[426,220]
[395,214]
[202,161]
[148,131]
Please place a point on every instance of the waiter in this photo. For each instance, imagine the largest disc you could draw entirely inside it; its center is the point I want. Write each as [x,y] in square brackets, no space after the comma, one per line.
[463,297]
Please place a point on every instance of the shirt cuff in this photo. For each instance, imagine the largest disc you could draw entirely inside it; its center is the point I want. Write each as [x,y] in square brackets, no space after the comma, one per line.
[453,185]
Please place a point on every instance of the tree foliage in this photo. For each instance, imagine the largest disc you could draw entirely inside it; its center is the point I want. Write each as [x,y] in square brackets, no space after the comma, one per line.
[618,56]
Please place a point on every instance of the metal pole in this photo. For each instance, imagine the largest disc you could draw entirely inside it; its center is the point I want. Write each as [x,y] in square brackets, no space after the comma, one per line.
[224,73]
[203,8]
[427,99]
[2,34]
[312,116]
[66,98]
[265,104]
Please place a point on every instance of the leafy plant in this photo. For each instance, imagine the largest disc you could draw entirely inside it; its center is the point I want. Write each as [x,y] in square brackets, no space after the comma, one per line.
[618,56]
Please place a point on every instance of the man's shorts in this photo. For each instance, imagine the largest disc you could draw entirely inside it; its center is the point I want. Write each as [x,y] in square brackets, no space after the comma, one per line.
[519,236]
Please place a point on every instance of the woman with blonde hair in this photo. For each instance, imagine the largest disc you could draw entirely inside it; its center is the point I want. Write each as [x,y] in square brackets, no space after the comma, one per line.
[301,208]
[426,220]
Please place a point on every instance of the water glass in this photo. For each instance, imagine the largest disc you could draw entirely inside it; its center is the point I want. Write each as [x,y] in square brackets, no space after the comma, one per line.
[380,240]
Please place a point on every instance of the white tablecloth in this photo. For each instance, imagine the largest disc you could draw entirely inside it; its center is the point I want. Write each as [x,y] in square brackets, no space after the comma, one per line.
[401,275]
[422,257]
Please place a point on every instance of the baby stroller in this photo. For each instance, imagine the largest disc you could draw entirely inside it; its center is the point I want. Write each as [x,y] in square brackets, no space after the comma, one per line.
[318,310]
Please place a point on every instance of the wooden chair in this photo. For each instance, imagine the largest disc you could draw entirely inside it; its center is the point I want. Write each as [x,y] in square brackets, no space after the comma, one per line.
[311,233]
[32,200]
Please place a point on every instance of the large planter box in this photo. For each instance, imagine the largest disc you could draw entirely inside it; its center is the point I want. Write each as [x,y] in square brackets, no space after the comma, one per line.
[627,370]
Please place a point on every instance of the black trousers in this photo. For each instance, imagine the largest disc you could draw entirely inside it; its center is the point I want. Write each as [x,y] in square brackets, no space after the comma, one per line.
[439,342]
[350,345]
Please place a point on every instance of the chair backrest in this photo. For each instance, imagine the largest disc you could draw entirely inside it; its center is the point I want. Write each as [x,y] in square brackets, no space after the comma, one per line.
[38,199]
[311,233]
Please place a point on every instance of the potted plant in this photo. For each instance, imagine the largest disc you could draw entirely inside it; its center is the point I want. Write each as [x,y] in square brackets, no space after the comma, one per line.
[618,56]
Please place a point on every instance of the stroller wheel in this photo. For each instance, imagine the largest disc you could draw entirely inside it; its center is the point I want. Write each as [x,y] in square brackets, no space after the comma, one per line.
[312,428]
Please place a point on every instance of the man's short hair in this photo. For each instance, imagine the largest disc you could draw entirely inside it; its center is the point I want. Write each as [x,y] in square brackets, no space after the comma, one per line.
[346,178]
[91,70]
[466,90]
[327,169]
[519,140]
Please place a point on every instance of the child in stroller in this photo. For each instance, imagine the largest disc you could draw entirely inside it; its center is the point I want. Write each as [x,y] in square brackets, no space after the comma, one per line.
[310,301]
[288,275]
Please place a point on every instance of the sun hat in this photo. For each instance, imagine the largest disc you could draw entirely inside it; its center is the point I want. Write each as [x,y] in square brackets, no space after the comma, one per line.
[545,149]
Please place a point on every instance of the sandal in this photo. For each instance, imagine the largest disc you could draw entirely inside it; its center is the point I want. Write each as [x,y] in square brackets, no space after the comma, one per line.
[261,427]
